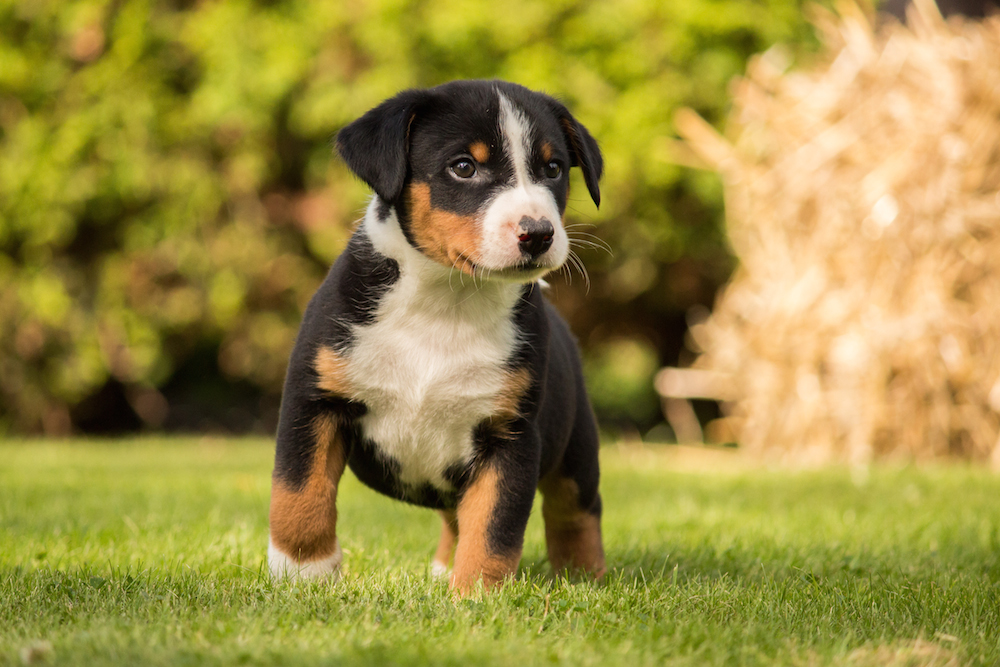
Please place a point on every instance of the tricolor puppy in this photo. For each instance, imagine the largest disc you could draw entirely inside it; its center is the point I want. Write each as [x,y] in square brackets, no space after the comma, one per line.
[428,361]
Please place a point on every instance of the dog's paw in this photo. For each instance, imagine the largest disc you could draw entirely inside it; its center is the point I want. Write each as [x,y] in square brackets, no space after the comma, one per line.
[283,566]
[440,570]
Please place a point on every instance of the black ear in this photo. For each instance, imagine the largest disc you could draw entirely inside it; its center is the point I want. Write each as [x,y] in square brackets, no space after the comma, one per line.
[583,148]
[376,146]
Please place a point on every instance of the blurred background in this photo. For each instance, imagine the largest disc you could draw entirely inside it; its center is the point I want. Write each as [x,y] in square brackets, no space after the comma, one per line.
[169,199]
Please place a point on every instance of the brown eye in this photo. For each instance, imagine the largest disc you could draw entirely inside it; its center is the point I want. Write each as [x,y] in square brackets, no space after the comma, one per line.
[552,170]
[464,169]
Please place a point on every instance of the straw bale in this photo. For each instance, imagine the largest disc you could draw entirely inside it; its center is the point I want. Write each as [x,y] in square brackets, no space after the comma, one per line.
[863,204]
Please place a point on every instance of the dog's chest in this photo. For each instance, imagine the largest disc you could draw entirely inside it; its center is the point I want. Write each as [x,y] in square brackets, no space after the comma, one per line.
[429,369]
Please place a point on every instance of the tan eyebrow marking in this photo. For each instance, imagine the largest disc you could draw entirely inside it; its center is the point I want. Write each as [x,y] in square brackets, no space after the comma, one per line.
[480,151]
[546,151]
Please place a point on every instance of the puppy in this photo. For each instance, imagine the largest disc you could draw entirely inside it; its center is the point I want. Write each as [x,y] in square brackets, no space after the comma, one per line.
[428,361]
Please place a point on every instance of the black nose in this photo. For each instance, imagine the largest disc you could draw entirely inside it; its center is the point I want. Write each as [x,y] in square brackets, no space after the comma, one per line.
[534,236]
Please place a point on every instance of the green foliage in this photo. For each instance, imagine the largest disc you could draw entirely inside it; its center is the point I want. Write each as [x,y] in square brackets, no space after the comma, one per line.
[167,185]
[619,375]
[151,552]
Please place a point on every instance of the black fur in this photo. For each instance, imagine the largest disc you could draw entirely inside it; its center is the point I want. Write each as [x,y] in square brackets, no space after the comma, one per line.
[415,132]
[347,297]
[583,146]
[374,146]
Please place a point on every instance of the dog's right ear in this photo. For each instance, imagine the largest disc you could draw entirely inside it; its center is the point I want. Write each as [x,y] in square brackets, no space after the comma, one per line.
[376,146]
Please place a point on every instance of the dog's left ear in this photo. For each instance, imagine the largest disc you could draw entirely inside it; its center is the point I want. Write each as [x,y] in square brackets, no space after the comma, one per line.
[583,148]
[376,146]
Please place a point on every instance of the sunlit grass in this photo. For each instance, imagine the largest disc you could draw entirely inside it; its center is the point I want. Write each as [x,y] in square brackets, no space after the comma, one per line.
[152,552]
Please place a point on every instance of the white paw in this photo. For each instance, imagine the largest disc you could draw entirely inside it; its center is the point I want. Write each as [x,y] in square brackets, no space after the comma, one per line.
[439,570]
[283,566]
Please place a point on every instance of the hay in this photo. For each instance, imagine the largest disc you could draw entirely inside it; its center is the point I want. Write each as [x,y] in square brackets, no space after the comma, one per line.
[863,204]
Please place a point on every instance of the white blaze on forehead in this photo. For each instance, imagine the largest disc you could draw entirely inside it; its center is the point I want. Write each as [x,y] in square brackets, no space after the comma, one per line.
[517,136]
[525,197]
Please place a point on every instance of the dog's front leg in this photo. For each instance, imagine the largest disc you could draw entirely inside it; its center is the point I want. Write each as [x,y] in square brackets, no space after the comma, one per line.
[492,516]
[446,546]
[309,464]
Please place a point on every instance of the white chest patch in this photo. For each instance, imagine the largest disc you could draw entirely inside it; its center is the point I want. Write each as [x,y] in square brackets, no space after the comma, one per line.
[429,370]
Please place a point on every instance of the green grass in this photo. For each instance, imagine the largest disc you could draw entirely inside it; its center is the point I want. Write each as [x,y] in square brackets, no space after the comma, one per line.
[152,552]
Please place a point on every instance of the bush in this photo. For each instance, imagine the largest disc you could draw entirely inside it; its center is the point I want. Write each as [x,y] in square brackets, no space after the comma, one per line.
[168,199]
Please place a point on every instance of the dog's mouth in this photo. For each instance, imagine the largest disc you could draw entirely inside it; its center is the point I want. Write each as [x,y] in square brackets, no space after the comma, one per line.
[528,267]
[465,263]
[523,272]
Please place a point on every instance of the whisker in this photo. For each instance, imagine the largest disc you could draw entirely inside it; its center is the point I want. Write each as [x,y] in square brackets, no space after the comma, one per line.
[579,235]
[465,266]
[570,265]
[590,240]
[461,273]
[477,281]
[566,271]
[578,263]
[578,212]
[584,243]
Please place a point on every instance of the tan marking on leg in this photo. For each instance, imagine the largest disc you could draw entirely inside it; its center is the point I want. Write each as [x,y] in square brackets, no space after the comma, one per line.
[474,560]
[332,371]
[304,522]
[508,399]
[446,546]
[546,151]
[448,238]
[480,151]
[572,535]
[514,388]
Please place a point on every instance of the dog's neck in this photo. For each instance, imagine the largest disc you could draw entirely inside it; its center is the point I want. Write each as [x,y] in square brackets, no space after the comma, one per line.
[433,285]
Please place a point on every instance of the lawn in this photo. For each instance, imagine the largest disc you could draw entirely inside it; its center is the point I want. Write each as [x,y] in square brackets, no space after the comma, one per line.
[151,552]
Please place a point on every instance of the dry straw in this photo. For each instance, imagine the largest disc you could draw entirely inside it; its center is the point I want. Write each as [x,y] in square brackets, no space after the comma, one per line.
[863,204]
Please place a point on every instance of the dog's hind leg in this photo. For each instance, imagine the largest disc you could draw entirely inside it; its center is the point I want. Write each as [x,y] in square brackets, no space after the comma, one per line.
[309,464]
[446,547]
[572,527]
[571,504]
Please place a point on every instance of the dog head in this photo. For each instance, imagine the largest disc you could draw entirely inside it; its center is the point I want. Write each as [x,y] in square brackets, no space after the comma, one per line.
[477,173]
